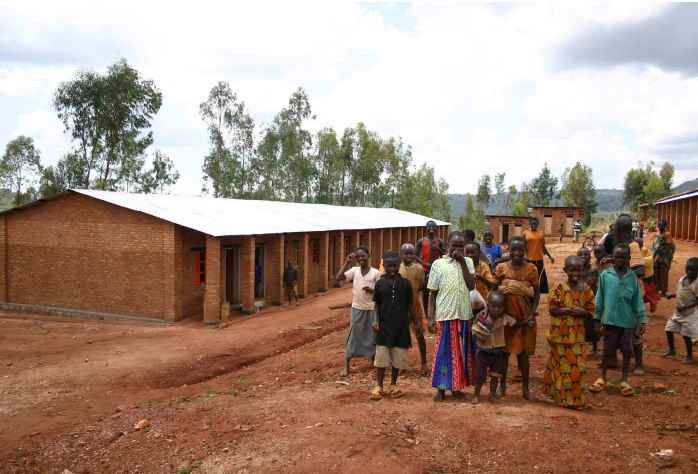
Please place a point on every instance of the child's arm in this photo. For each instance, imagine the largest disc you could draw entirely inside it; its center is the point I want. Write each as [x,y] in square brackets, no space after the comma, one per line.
[347,265]
[598,312]
[639,306]
[431,311]
[545,251]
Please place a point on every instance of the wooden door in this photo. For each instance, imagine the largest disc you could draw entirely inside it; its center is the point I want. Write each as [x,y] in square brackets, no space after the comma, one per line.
[548,225]
[232,275]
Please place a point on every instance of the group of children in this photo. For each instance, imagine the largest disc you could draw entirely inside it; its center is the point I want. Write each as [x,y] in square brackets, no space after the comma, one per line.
[484,309]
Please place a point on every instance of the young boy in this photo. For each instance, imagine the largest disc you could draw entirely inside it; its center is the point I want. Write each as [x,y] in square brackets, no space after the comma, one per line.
[619,308]
[685,318]
[484,279]
[291,281]
[489,357]
[591,278]
[585,254]
[361,341]
[414,273]
[395,308]
[493,251]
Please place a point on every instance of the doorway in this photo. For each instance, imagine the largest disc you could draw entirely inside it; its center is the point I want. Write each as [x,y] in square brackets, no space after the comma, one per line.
[505,233]
[569,223]
[232,275]
[259,271]
[548,225]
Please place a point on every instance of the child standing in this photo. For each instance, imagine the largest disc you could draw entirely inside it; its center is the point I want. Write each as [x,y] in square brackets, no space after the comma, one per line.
[414,273]
[591,277]
[493,251]
[361,341]
[484,279]
[291,282]
[619,308]
[395,309]
[571,304]
[685,318]
[489,357]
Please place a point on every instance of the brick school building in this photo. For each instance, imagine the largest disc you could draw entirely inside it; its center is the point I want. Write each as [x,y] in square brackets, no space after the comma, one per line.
[172,257]
[681,213]
[551,219]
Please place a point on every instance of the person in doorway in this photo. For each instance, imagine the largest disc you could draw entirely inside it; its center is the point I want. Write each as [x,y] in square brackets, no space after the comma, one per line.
[621,313]
[291,282]
[450,282]
[414,273]
[361,341]
[577,230]
[429,249]
[493,251]
[535,250]
[685,318]
[395,309]
[562,231]
[663,250]
[519,281]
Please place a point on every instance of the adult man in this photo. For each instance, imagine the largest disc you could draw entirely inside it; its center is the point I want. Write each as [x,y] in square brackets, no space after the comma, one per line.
[429,249]
[535,250]
[450,282]
[291,281]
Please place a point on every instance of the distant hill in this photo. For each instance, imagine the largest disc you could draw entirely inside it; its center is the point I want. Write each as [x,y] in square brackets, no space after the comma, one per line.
[687,186]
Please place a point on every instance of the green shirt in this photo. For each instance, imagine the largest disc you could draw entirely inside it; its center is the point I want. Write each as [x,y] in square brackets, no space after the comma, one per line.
[453,297]
[619,300]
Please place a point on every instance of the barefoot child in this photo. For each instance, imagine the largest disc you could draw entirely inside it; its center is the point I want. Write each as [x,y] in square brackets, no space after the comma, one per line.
[450,282]
[518,280]
[489,357]
[361,341]
[414,273]
[619,308]
[571,304]
[685,318]
[395,309]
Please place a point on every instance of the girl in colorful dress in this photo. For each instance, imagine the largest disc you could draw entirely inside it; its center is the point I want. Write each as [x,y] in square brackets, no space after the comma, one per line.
[571,304]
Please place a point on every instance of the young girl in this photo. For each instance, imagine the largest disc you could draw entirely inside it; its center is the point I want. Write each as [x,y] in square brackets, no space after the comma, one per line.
[591,277]
[518,280]
[571,304]
[685,318]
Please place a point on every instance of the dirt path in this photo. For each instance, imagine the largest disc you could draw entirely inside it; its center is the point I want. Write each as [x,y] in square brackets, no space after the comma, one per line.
[264,395]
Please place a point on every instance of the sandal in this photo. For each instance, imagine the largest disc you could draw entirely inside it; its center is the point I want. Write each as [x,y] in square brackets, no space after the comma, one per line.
[597,386]
[376,393]
[626,390]
[395,392]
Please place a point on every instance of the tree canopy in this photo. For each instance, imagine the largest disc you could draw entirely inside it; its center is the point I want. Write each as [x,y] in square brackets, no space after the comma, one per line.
[20,167]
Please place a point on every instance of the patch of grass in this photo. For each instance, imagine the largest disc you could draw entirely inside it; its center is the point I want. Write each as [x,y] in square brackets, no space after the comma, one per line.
[151,403]
[188,469]
[242,381]
[183,399]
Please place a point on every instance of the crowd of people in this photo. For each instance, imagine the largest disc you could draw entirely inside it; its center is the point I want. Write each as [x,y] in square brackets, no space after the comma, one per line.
[482,303]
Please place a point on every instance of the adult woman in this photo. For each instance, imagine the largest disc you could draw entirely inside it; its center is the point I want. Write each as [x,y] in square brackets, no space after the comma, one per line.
[663,250]
[535,250]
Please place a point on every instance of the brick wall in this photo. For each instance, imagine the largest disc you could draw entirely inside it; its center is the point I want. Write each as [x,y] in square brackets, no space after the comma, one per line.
[78,252]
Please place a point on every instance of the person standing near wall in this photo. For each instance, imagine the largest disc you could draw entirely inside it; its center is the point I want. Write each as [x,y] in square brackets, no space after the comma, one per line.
[535,251]
[577,229]
[663,250]
[429,249]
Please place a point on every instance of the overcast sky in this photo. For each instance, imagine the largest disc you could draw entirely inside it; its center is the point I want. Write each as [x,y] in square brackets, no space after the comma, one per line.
[473,88]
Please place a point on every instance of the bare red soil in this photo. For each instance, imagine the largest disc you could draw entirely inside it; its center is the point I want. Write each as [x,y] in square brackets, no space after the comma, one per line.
[263,395]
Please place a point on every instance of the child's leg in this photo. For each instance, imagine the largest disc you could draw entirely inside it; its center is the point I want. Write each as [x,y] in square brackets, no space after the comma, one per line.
[505,369]
[522,360]
[494,380]
[393,375]
[345,370]
[380,376]
[626,348]
[480,374]
[637,353]
[689,349]
[422,343]
[670,343]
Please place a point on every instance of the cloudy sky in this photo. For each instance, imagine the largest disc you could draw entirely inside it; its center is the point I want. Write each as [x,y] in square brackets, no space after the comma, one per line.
[474,88]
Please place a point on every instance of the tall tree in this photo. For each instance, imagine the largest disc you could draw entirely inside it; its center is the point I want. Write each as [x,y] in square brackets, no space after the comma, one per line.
[654,189]
[642,185]
[667,175]
[484,192]
[499,183]
[521,202]
[543,187]
[160,176]
[20,166]
[109,117]
[578,189]
[68,173]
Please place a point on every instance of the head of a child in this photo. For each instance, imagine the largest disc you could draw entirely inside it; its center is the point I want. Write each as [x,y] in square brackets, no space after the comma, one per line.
[488,237]
[361,253]
[469,235]
[456,244]
[391,263]
[472,250]
[662,225]
[517,249]
[599,253]
[585,254]
[640,242]
[574,269]
[534,223]
[621,257]
[496,304]
[431,228]
[407,254]
[623,228]
[692,268]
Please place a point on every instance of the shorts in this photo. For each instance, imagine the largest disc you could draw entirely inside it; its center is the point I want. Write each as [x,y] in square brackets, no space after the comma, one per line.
[491,362]
[395,357]
[617,338]
[684,326]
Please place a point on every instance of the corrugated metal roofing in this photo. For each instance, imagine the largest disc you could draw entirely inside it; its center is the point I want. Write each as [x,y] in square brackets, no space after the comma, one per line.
[678,197]
[219,217]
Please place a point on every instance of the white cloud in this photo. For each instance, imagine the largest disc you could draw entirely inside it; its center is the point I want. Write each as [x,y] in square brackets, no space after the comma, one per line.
[470,87]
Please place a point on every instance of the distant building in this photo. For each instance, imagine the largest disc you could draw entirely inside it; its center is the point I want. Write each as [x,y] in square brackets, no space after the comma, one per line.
[505,227]
[681,213]
[171,257]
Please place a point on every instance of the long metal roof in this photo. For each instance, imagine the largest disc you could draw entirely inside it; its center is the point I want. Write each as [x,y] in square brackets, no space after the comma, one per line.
[218,217]
[678,197]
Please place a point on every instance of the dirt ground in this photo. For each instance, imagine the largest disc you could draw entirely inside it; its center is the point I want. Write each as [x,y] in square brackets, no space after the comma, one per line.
[263,395]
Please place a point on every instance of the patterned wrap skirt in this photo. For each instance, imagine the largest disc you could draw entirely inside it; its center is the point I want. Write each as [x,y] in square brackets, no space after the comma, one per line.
[454,352]
[564,373]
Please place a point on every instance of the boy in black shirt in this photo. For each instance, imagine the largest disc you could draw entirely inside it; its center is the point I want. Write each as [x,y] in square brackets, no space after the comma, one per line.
[395,309]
